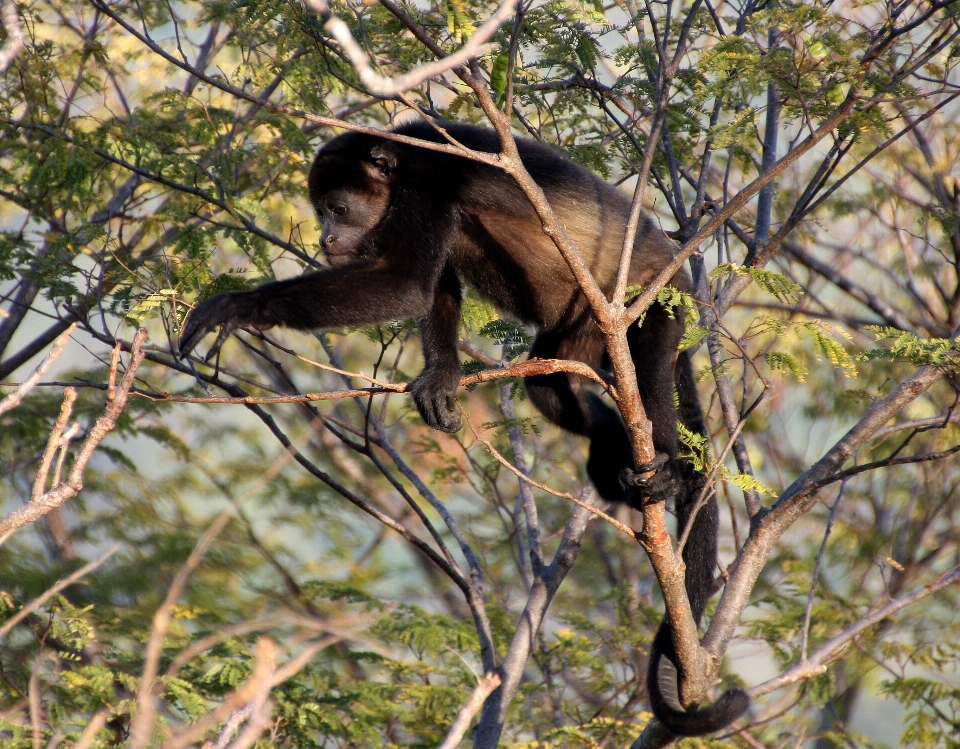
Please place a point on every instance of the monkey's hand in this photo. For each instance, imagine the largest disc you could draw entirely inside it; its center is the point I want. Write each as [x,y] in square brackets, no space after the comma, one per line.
[435,393]
[226,311]
[640,488]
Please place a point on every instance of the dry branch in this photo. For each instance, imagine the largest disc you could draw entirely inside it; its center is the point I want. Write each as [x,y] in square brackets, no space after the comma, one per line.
[623,528]
[143,721]
[816,664]
[530,368]
[379,85]
[16,397]
[42,503]
[15,42]
[480,693]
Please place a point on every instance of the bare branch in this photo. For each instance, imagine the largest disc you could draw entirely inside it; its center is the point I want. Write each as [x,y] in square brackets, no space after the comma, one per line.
[625,529]
[256,687]
[387,87]
[16,397]
[841,114]
[14,44]
[797,499]
[815,665]
[89,733]
[232,725]
[487,733]
[480,693]
[141,725]
[57,495]
[530,368]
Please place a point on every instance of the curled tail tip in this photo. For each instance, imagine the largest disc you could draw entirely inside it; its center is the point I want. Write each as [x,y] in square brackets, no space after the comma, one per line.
[731,705]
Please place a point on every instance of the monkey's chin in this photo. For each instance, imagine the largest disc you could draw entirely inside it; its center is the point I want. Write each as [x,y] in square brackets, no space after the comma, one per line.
[337,259]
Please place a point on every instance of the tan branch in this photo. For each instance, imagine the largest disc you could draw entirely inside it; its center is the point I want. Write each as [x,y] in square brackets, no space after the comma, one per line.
[143,721]
[383,86]
[480,693]
[15,42]
[40,504]
[529,368]
[816,664]
[89,733]
[14,399]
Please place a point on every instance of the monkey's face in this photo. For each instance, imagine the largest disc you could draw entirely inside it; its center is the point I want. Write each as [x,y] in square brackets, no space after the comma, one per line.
[347,215]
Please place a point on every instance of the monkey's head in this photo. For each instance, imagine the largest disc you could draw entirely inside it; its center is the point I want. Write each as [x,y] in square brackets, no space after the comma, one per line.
[351,183]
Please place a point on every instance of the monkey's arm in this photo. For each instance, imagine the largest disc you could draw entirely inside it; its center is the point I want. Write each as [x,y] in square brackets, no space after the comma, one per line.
[355,295]
[435,389]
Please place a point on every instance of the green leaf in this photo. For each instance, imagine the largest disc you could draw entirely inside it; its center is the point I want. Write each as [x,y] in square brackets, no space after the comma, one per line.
[781,361]
[498,74]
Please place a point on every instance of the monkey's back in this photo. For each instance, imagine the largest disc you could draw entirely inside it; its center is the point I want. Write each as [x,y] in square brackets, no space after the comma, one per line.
[503,231]
[501,250]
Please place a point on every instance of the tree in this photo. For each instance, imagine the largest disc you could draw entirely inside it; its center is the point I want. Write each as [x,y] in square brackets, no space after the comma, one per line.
[803,156]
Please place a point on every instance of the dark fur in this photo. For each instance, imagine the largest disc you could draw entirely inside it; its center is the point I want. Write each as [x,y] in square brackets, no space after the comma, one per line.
[405,226]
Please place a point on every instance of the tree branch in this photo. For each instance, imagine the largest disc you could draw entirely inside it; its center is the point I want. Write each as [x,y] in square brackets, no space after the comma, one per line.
[388,87]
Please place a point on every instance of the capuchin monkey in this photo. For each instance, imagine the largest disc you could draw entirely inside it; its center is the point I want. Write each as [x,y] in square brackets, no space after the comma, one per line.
[404,227]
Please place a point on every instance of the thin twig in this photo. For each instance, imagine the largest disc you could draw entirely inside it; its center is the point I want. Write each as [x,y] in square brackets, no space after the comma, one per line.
[387,87]
[14,399]
[815,664]
[141,726]
[37,602]
[808,614]
[623,528]
[37,507]
[89,733]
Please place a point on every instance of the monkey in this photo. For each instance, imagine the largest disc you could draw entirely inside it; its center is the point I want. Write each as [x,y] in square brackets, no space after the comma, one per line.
[404,227]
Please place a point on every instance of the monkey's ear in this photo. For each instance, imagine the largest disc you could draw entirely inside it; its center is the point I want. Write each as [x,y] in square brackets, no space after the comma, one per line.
[384,158]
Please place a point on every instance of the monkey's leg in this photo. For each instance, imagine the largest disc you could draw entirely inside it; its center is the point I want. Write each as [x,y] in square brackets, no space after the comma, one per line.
[653,348]
[564,400]
[435,388]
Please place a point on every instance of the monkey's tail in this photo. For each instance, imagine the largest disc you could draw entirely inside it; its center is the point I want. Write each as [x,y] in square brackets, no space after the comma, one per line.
[700,558]
[664,694]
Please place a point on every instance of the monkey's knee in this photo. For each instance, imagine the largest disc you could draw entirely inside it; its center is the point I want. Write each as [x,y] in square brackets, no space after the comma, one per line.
[610,454]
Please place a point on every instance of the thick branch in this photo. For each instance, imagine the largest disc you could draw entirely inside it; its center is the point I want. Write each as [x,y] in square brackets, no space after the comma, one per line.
[797,499]
[14,44]
[816,664]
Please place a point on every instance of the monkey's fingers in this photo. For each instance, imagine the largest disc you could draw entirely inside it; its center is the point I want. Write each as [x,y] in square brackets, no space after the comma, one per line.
[222,311]
[638,477]
[226,330]
[639,486]
[189,337]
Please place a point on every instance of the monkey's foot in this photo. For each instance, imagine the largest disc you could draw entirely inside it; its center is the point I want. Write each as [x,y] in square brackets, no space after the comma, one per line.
[435,394]
[655,481]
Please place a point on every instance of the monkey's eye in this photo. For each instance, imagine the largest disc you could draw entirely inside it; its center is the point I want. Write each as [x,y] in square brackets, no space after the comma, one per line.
[339,210]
